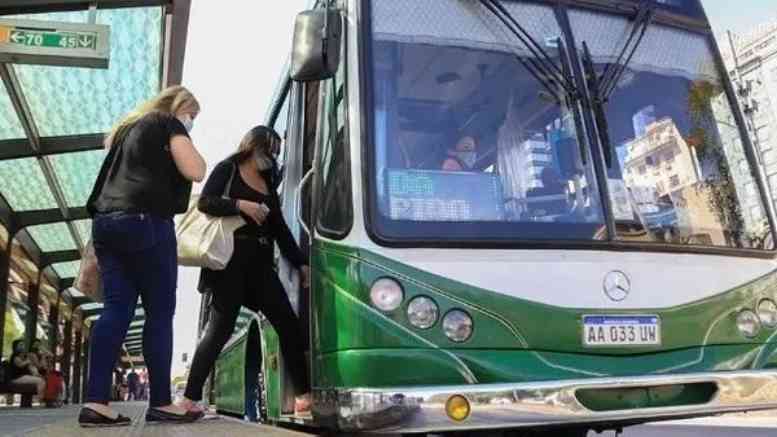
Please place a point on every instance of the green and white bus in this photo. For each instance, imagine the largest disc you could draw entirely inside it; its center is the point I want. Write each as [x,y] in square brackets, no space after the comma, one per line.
[520,215]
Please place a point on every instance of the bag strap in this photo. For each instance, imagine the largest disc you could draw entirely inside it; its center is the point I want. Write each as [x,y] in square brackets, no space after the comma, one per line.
[228,187]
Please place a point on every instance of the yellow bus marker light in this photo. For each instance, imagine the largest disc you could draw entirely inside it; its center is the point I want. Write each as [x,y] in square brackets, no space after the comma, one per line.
[457,408]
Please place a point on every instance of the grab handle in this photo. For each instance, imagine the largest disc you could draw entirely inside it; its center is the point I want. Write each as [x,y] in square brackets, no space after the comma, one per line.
[298,201]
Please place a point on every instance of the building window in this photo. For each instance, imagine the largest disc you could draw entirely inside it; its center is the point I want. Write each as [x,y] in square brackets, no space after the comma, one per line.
[768,156]
[750,191]
[642,169]
[773,184]
[674,181]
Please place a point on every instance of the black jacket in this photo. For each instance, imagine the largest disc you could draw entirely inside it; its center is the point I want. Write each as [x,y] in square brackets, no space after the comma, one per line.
[213,202]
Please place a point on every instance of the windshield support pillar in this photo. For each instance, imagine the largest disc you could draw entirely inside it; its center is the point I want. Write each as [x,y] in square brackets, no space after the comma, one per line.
[584,96]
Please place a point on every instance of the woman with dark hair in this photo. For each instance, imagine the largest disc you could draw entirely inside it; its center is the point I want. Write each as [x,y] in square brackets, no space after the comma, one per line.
[249,178]
[22,369]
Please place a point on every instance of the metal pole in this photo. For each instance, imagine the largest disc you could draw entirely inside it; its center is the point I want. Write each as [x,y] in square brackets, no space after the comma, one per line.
[33,300]
[54,324]
[77,364]
[85,366]
[66,357]
[5,271]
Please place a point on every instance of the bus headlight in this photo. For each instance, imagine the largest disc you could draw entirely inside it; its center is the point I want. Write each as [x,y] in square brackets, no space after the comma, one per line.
[748,323]
[457,325]
[386,294]
[767,313]
[422,312]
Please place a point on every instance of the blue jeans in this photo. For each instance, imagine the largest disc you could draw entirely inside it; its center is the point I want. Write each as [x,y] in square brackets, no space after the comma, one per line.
[137,256]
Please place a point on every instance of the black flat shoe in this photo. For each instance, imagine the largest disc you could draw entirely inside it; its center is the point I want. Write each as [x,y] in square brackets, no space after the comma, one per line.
[159,416]
[88,418]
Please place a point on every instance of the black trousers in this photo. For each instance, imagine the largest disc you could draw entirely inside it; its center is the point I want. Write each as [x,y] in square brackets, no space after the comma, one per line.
[249,280]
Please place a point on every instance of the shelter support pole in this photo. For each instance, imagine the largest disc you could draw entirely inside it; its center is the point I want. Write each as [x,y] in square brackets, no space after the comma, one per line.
[33,300]
[5,271]
[67,351]
[85,365]
[54,324]
[77,365]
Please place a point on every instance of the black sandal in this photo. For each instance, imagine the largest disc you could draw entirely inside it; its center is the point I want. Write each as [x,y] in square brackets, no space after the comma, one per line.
[88,418]
[159,416]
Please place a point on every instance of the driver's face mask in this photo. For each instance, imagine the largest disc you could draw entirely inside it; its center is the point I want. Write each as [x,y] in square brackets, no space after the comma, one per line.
[469,158]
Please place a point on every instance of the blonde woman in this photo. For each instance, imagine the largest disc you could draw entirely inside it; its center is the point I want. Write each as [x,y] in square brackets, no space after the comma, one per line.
[145,180]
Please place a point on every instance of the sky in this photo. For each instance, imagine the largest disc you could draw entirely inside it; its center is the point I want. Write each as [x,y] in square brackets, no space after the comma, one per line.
[235,52]
[739,16]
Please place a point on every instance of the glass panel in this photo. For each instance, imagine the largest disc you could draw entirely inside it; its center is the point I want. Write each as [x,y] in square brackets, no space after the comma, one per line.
[72,101]
[76,173]
[681,175]
[10,126]
[14,327]
[24,186]
[67,270]
[84,228]
[52,237]
[472,142]
[335,214]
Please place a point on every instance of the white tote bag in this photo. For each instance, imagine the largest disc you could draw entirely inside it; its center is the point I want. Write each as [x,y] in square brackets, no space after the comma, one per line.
[203,240]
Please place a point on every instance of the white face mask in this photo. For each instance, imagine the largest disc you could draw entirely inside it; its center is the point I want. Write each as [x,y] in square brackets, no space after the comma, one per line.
[263,162]
[187,122]
[468,158]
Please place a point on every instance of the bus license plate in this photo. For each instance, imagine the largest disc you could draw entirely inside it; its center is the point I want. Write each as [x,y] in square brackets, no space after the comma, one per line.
[621,331]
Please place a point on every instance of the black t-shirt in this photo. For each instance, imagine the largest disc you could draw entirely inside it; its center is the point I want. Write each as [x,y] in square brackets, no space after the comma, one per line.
[16,371]
[139,173]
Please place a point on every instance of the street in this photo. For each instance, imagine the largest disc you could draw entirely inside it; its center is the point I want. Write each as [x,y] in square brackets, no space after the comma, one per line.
[690,431]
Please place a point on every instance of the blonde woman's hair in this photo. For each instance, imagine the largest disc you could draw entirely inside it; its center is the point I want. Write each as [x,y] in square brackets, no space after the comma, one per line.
[168,101]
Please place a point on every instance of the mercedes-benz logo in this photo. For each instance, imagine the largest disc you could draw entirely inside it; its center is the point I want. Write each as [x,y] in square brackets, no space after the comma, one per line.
[617,286]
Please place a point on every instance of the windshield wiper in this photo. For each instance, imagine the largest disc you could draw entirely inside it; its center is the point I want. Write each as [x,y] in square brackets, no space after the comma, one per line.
[614,72]
[603,87]
[542,64]
[594,84]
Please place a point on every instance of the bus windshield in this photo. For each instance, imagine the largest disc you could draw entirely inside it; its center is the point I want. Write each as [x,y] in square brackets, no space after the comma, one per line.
[478,136]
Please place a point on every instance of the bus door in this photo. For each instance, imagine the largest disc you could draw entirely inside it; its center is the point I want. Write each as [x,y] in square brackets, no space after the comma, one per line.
[298,127]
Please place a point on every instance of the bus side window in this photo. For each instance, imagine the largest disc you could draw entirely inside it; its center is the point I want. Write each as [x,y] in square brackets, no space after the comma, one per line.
[335,212]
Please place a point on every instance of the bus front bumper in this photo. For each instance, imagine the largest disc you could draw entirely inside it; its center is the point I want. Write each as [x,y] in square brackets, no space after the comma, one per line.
[595,401]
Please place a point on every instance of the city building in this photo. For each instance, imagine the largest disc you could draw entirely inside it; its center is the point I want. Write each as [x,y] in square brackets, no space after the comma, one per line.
[751,60]
[660,158]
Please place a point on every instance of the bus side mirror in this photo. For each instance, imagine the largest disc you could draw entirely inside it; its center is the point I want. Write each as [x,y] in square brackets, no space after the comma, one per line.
[316,49]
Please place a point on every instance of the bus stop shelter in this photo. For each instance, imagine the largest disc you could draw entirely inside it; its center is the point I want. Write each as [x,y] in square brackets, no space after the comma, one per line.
[54,113]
